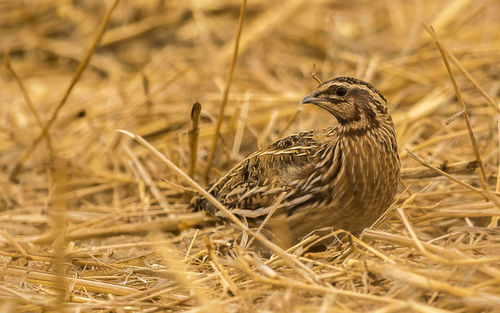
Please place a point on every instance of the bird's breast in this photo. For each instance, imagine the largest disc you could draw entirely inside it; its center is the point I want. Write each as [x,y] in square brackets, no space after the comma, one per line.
[353,183]
[368,180]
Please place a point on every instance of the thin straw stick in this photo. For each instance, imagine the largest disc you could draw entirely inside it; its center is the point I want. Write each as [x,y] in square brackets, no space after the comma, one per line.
[79,71]
[494,219]
[460,101]
[226,91]
[314,75]
[467,75]
[194,133]
[450,177]
[27,99]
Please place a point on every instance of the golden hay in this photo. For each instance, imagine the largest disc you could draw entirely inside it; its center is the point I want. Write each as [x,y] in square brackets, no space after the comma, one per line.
[91,221]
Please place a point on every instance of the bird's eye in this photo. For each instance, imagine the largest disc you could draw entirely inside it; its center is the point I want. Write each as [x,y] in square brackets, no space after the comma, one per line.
[341,91]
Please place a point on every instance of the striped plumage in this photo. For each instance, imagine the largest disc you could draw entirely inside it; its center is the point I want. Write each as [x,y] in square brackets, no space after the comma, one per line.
[343,177]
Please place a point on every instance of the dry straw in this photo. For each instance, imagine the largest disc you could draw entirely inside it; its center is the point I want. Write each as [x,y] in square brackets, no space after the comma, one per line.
[91,221]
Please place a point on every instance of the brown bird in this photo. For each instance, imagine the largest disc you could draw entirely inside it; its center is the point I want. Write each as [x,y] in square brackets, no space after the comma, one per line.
[342,177]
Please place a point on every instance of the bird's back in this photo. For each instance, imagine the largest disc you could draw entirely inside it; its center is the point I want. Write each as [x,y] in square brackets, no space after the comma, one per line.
[251,187]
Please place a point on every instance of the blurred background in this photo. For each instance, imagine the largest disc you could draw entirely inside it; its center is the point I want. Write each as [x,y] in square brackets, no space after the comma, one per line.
[157,58]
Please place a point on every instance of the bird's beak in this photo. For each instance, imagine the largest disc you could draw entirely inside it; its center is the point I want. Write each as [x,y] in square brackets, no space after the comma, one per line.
[312,98]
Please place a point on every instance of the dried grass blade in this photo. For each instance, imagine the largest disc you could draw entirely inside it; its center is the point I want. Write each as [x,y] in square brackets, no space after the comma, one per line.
[437,258]
[475,146]
[442,173]
[79,71]
[226,92]
[194,133]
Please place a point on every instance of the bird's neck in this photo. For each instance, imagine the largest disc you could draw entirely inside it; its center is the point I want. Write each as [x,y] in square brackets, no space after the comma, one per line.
[363,127]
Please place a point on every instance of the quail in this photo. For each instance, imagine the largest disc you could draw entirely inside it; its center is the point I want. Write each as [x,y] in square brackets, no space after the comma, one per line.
[341,177]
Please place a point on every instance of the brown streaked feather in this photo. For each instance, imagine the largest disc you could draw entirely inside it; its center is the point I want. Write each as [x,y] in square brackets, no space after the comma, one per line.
[260,177]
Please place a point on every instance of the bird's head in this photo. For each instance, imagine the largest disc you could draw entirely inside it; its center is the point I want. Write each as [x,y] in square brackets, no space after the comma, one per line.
[351,101]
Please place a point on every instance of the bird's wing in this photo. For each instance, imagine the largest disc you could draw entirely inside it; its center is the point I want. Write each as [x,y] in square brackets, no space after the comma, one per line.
[252,186]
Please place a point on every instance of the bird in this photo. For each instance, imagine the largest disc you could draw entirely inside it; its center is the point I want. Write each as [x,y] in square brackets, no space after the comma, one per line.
[342,177]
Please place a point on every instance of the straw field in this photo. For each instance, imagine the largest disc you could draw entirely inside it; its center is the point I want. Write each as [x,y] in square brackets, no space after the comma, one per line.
[92,220]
